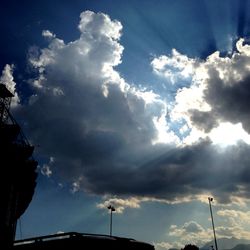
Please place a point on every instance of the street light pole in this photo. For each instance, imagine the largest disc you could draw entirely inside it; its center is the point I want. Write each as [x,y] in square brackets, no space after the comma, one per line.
[210,199]
[112,209]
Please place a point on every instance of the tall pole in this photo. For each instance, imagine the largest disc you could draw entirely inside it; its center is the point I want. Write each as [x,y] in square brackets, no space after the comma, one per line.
[210,199]
[111,213]
[112,209]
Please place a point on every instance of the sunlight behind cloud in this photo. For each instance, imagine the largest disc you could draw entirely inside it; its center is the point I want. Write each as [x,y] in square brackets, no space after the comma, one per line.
[229,134]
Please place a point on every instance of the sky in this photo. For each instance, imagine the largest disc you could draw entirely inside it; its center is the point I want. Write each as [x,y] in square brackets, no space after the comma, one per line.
[143,105]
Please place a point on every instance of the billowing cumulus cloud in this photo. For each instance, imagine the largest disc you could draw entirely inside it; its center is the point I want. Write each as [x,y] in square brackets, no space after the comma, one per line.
[219,90]
[107,136]
[84,115]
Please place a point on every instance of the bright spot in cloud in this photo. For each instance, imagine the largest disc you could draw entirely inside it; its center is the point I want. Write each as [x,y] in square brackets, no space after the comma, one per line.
[229,134]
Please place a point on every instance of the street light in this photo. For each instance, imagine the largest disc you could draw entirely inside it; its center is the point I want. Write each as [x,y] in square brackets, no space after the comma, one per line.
[210,199]
[112,209]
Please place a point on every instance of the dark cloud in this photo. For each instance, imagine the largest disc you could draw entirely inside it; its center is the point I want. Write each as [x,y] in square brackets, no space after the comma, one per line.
[190,171]
[230,102]
[204,120]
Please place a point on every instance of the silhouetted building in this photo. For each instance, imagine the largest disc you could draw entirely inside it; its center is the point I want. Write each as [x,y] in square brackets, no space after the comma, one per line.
[79,241]
[18,171]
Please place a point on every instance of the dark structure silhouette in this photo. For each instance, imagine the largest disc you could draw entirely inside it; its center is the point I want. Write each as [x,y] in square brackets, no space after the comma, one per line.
[81,241]
[190,247]
[18,171]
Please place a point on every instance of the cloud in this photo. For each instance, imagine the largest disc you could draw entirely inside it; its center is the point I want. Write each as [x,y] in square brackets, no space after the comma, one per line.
[237,221]
[166,245]
[46,168]
[109,137]
[94,124]
[120,204]
[238,232]
[8,80]
[235,217]
[192,227]
[99,25]
[193,233]
[182,66]
[76,185]
[190,233]
[216,90]
[219,91]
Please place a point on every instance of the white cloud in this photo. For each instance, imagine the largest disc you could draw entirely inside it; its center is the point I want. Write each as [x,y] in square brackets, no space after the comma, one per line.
[76,185]
[174,67]
[48,34]
[233,231]
[120,204]
[99,25]
[236,217]
[193,233]
[166,245]
[190,233]
[238,221]
[218,95]
[222,135]
[46,168]
[8,80]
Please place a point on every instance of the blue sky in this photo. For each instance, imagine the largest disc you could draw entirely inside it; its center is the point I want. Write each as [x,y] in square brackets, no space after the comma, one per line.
[138,104]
